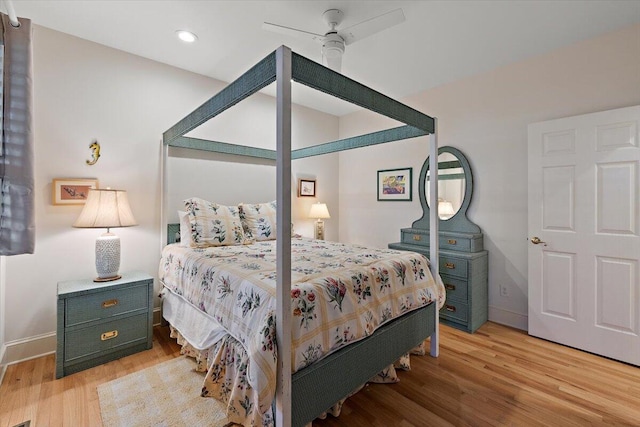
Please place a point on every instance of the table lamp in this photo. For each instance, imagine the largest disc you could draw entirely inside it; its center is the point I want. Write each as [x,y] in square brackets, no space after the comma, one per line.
[106,209]
[445,209]
[320,212]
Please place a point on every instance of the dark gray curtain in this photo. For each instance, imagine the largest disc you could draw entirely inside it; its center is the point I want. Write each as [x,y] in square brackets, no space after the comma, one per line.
[17,214]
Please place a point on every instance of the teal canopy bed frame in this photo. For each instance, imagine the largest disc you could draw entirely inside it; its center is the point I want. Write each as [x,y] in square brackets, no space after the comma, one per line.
[307,393]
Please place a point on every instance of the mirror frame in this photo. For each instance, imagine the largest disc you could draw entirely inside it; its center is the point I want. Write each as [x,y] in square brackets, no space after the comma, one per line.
[458,222]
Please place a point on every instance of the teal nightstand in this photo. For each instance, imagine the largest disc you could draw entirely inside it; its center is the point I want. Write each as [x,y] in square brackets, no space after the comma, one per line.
[100,322]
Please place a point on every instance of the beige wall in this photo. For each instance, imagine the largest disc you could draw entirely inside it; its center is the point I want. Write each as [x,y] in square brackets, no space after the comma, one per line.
[486,117]
[83,90]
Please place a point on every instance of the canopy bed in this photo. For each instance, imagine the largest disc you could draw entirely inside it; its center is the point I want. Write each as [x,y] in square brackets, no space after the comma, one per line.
[302,396]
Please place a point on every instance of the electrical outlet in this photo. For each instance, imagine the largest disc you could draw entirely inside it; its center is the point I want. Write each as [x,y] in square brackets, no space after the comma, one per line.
[504,291]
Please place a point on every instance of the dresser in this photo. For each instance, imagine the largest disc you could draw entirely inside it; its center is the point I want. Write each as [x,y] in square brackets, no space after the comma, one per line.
[464,274]
[463,262]
[100,322]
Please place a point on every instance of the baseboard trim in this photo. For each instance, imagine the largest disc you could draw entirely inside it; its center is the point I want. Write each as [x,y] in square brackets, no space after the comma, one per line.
[3,366]
[509,318]
[157,316]
[28,348]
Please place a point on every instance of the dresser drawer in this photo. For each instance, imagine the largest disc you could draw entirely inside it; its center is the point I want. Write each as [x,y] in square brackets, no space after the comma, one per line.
[124,331]
[453,266]
[456,288]
[103,305]
[455,243]
[448,241]
[410,238]
[454,310]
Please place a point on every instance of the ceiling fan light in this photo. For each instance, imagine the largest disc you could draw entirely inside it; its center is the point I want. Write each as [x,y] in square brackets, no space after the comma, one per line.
[333,48]
[186,36]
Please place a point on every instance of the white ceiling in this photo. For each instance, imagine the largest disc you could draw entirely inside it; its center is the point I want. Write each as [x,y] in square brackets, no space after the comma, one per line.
[439,42]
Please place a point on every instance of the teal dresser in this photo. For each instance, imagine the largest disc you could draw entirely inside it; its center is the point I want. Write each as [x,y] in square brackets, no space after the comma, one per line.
[463,269]
[463,262]
[100,322]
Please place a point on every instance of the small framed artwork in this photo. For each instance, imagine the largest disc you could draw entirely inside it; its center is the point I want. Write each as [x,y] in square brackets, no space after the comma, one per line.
[72,191]
[306,188]
[395,185]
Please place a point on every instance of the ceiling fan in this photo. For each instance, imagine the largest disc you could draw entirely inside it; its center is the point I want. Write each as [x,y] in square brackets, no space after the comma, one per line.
[334,41]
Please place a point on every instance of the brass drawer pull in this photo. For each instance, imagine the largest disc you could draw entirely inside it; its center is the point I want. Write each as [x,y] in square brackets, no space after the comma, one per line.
[450,308]
[452,242]
[450,265]
[110,303]
[450,287]
[109,335]
[417,237]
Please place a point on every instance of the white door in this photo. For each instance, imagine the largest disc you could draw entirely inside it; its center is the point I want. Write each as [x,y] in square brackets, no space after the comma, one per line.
[584,204]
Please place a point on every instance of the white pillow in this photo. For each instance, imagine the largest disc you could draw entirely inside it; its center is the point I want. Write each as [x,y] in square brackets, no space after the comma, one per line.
[213,224]
[185,229]
[260,220]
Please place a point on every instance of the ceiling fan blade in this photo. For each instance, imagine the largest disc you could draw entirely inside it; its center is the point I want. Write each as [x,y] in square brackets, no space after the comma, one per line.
[371,26]
[335,63]
[292,32]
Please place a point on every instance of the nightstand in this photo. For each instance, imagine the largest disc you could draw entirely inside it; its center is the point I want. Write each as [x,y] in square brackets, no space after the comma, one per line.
[100,322]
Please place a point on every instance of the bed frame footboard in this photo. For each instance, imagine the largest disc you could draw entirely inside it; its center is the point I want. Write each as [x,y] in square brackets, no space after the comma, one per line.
[319,386]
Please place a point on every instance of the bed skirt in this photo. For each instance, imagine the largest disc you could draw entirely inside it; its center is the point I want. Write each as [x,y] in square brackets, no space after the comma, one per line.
[322,387]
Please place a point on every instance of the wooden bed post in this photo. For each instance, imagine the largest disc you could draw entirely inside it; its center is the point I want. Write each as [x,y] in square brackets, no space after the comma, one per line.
[283,242]
[433,225]
[164,154]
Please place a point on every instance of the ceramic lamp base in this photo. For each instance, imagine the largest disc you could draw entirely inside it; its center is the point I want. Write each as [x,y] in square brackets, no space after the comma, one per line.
[319,230]
[107,257]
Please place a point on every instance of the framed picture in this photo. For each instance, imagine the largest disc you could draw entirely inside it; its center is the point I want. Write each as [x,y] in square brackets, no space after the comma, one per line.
[72,191]
[395,185]
[306,188]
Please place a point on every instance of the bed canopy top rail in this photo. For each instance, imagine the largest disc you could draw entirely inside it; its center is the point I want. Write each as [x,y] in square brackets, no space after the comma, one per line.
[319,77]
[374,138]
[258,77]
[223,147]
[316,76]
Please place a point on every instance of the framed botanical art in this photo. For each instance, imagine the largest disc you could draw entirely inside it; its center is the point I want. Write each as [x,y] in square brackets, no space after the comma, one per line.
[72,191]
[395,185]
[306,188]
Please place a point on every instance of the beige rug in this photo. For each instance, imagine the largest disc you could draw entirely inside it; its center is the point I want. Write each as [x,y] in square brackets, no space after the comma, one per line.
[166,395]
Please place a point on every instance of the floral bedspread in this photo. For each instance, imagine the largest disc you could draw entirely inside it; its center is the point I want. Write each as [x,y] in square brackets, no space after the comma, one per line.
[339,294]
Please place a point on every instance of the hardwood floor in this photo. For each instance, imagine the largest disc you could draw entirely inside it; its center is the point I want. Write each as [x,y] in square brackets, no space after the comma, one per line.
[30,391]
[496,377]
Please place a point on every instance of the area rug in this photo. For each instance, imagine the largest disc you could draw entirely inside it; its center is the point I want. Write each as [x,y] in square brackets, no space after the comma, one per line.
[165,395]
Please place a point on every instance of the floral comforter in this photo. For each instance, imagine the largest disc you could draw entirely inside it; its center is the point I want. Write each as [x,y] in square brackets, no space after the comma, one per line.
[339,294]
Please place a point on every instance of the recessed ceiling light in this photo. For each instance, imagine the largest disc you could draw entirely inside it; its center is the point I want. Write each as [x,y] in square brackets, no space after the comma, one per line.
[186,36]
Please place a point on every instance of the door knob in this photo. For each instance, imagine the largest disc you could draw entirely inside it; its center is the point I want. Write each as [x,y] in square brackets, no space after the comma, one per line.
[536,241]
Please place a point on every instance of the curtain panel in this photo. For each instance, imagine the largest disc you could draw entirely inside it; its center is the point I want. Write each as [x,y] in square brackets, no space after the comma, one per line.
[17,212]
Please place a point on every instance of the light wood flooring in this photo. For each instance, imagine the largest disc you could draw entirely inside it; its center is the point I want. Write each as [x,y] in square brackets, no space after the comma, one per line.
[496,377]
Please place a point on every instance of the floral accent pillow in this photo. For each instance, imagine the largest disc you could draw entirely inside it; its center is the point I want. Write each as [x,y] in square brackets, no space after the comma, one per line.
[259,220]
[213,224]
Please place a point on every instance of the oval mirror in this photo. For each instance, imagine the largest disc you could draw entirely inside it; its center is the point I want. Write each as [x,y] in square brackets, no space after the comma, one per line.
[455,188]
[451,185]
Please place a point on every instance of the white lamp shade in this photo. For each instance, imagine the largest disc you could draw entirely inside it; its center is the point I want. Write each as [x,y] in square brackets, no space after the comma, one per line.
[445,208]
[319,210]
[106,209]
